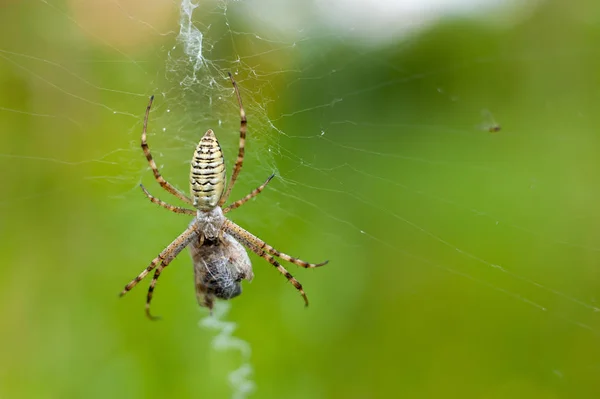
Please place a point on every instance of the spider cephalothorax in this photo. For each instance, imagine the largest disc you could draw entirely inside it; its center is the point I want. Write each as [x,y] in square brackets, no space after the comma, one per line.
[216,243]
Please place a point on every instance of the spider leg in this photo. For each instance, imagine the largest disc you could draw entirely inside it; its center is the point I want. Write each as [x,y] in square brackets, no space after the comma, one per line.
[157,273]
[151,289]
[167,255]
[170,207]
[245,236]
[163,183]
[282,270]
[240,158]
[278,266]
[248,197]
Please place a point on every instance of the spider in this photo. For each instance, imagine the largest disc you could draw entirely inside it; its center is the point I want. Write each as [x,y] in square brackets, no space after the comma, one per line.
[216,243]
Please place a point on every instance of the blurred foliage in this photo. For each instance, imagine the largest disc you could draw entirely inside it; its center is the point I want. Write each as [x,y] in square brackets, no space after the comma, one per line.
[424,296]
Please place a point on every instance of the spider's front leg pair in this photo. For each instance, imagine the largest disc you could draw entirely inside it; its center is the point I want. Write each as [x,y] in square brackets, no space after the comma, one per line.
[160,262]
[267,252]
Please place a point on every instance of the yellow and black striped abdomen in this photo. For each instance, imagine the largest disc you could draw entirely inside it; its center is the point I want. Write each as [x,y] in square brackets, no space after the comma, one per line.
[207,174]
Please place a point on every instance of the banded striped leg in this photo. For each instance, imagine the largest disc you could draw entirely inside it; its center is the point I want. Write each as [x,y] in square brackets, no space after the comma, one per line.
[157,273]
[278,266]
[163,183]
[166,256]
[151,290]
[245,236]
[248,197]
[170,207]
[240,159]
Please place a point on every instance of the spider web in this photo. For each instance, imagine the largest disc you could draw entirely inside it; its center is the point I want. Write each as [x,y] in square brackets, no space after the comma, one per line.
[386,162]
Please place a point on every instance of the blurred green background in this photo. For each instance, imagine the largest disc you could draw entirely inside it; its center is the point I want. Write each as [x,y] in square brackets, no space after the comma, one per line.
[463,263]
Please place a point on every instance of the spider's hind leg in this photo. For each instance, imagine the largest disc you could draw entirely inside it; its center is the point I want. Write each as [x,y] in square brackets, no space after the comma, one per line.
[241,150]
[157,176]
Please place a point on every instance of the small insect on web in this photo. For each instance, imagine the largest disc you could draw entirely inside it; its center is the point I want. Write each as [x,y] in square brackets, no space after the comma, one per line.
[489,123]
[216,243]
